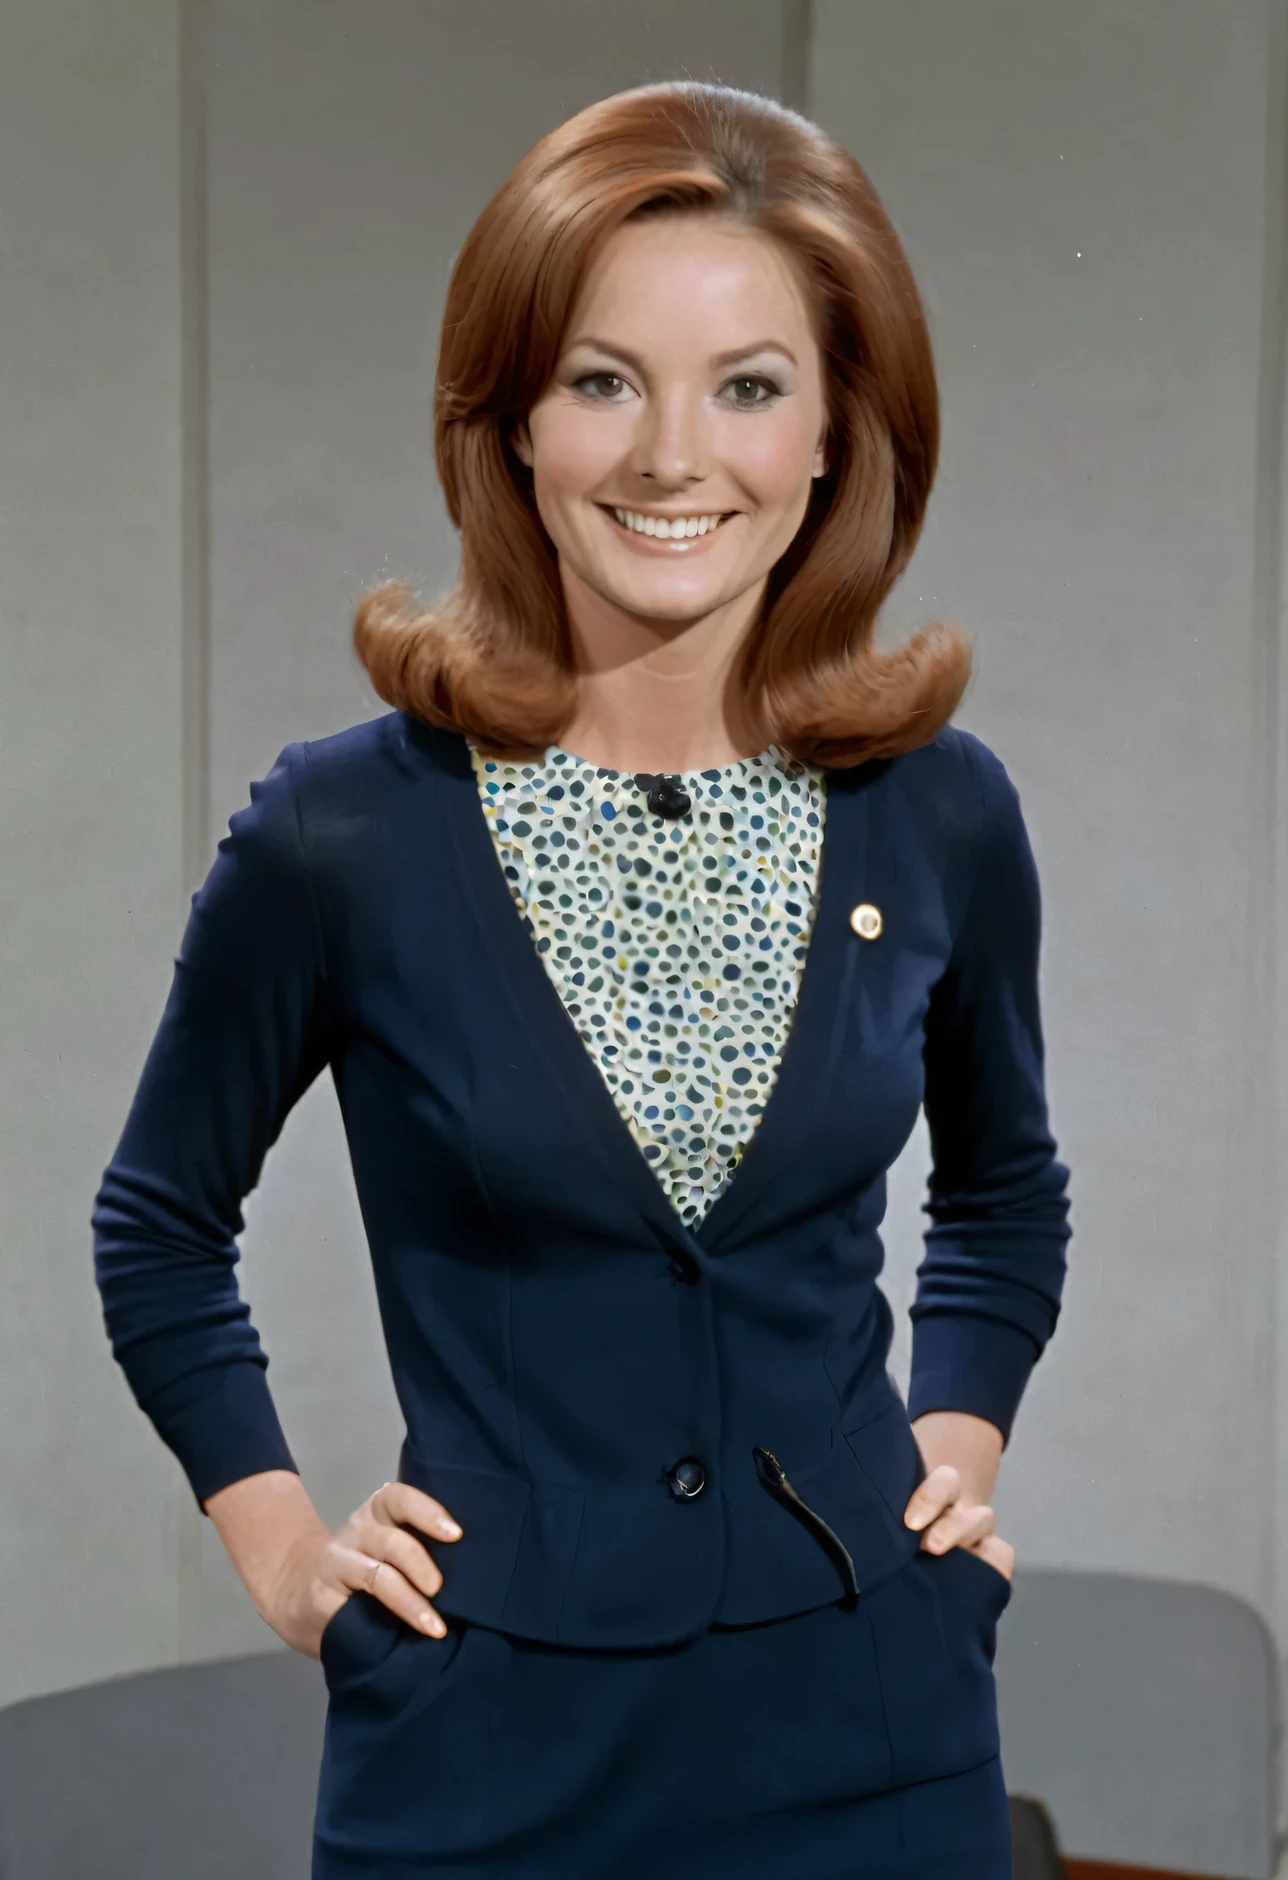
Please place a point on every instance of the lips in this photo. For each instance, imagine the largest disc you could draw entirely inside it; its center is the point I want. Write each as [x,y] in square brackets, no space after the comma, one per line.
[669,527]
[667,533]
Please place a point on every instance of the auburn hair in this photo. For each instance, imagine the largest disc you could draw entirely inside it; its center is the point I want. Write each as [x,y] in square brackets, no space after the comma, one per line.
[493,657]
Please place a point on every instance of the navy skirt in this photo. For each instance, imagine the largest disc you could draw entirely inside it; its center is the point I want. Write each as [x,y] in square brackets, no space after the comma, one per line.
[848,1743]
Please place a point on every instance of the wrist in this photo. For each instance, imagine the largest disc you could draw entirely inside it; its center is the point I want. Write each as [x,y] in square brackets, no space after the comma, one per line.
[266,1523]
[968,1443]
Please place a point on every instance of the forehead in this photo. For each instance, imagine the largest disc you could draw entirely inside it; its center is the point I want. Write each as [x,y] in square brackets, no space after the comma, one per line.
[676,275]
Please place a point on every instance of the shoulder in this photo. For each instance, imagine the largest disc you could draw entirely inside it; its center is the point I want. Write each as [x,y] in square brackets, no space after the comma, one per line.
[360,785]
[368,768]
[390,748]
[956,780]
[949,808]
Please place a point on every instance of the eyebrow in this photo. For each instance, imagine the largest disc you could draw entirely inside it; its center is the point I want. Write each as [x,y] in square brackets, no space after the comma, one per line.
[721,359]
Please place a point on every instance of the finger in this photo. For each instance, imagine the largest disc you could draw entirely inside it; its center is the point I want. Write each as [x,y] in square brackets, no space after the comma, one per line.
[929,1499]
[410,1555]
[962,1526]
[367,1573]
[402,1548]
[399,1502]
[998,1553]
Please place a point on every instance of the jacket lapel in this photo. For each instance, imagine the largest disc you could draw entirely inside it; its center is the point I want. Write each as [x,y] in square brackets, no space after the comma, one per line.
[809,1054]
[538,1012]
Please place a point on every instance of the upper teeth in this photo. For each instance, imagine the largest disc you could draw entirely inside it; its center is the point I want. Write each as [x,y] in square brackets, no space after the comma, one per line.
[674,527]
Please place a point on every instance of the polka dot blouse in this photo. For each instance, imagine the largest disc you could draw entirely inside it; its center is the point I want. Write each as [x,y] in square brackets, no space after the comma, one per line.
[676,946]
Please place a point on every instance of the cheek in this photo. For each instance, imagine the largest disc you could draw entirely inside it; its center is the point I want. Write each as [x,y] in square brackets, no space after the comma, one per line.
[772,456]
[573,452]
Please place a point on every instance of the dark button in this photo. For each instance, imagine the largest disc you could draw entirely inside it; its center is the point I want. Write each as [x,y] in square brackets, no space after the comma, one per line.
[666,798]
[683,1270]
[687,1478]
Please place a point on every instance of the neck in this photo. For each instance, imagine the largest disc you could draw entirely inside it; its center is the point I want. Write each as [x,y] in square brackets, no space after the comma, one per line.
[659,695]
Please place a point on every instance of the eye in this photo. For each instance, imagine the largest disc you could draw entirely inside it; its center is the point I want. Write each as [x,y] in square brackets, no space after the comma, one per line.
[750,392]
[606,386]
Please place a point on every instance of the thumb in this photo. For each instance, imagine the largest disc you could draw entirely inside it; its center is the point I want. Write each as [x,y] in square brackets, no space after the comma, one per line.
[929,1499]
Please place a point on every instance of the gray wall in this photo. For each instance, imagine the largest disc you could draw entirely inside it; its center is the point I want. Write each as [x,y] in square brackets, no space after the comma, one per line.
[90,794]
[214,432]
[1083,195]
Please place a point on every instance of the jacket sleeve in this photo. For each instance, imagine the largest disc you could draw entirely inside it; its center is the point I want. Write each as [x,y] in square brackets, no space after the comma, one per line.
[989,1287]
[243,1034]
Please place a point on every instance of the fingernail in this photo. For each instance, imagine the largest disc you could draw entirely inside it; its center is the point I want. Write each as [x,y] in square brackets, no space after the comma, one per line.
[433,1625]
[450,1531]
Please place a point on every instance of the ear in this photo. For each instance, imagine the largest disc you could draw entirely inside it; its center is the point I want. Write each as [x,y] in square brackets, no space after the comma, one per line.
[820,458]
[521,439]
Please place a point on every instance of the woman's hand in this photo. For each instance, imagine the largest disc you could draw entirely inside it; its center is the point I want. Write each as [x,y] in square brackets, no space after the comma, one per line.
[371,1553]
[951,1507]
[299,1574]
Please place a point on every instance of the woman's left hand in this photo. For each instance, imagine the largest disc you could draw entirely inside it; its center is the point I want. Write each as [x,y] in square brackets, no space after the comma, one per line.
[951,1507]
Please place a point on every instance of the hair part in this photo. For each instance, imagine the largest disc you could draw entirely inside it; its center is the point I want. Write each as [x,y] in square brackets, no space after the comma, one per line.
[493,657]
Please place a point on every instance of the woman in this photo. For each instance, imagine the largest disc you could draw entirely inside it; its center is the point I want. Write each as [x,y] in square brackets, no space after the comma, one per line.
[634,937]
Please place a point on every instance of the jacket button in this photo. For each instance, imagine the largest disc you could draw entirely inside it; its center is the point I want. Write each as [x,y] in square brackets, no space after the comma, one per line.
[866,920]
[687,1478]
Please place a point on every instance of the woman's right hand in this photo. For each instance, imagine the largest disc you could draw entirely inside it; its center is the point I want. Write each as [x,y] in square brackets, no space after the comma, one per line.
[372,1553]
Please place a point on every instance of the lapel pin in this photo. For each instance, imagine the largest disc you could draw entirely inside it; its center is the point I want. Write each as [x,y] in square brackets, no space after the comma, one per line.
[866,920]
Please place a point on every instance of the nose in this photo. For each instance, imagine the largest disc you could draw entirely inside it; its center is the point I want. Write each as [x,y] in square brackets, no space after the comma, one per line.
[672,440]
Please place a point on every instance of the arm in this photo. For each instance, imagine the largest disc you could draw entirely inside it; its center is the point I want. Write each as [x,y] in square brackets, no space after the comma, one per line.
[245,1031]
[242,1036]
[989,1288]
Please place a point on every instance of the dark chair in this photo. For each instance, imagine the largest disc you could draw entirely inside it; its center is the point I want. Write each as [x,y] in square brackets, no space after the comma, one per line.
[199,1772]
[1035,1853]
[1144,1712]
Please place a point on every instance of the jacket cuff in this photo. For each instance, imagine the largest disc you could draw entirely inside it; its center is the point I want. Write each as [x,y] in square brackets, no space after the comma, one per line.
[222,1425]
[964,1361]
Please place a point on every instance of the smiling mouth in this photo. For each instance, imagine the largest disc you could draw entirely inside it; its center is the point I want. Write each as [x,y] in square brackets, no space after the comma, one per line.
[669,528]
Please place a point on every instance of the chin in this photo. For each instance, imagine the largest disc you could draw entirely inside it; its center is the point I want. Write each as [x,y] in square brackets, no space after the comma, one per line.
[657,603]
[678,615]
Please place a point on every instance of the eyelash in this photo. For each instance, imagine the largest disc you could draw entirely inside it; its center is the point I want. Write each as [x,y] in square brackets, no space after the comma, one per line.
[744,378]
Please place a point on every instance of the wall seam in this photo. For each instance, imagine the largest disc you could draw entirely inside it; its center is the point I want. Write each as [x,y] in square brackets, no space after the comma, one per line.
[194,703]
[1269,1012]
[798,35]
[195,419]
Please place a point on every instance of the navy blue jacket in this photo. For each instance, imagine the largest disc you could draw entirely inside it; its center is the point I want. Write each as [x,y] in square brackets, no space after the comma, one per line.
[559,1339]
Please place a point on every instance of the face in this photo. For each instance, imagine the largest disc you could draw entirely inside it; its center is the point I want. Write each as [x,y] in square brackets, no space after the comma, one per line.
[674,448]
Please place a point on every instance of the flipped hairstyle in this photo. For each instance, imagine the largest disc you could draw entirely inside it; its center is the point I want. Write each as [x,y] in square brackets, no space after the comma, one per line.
[493,657]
